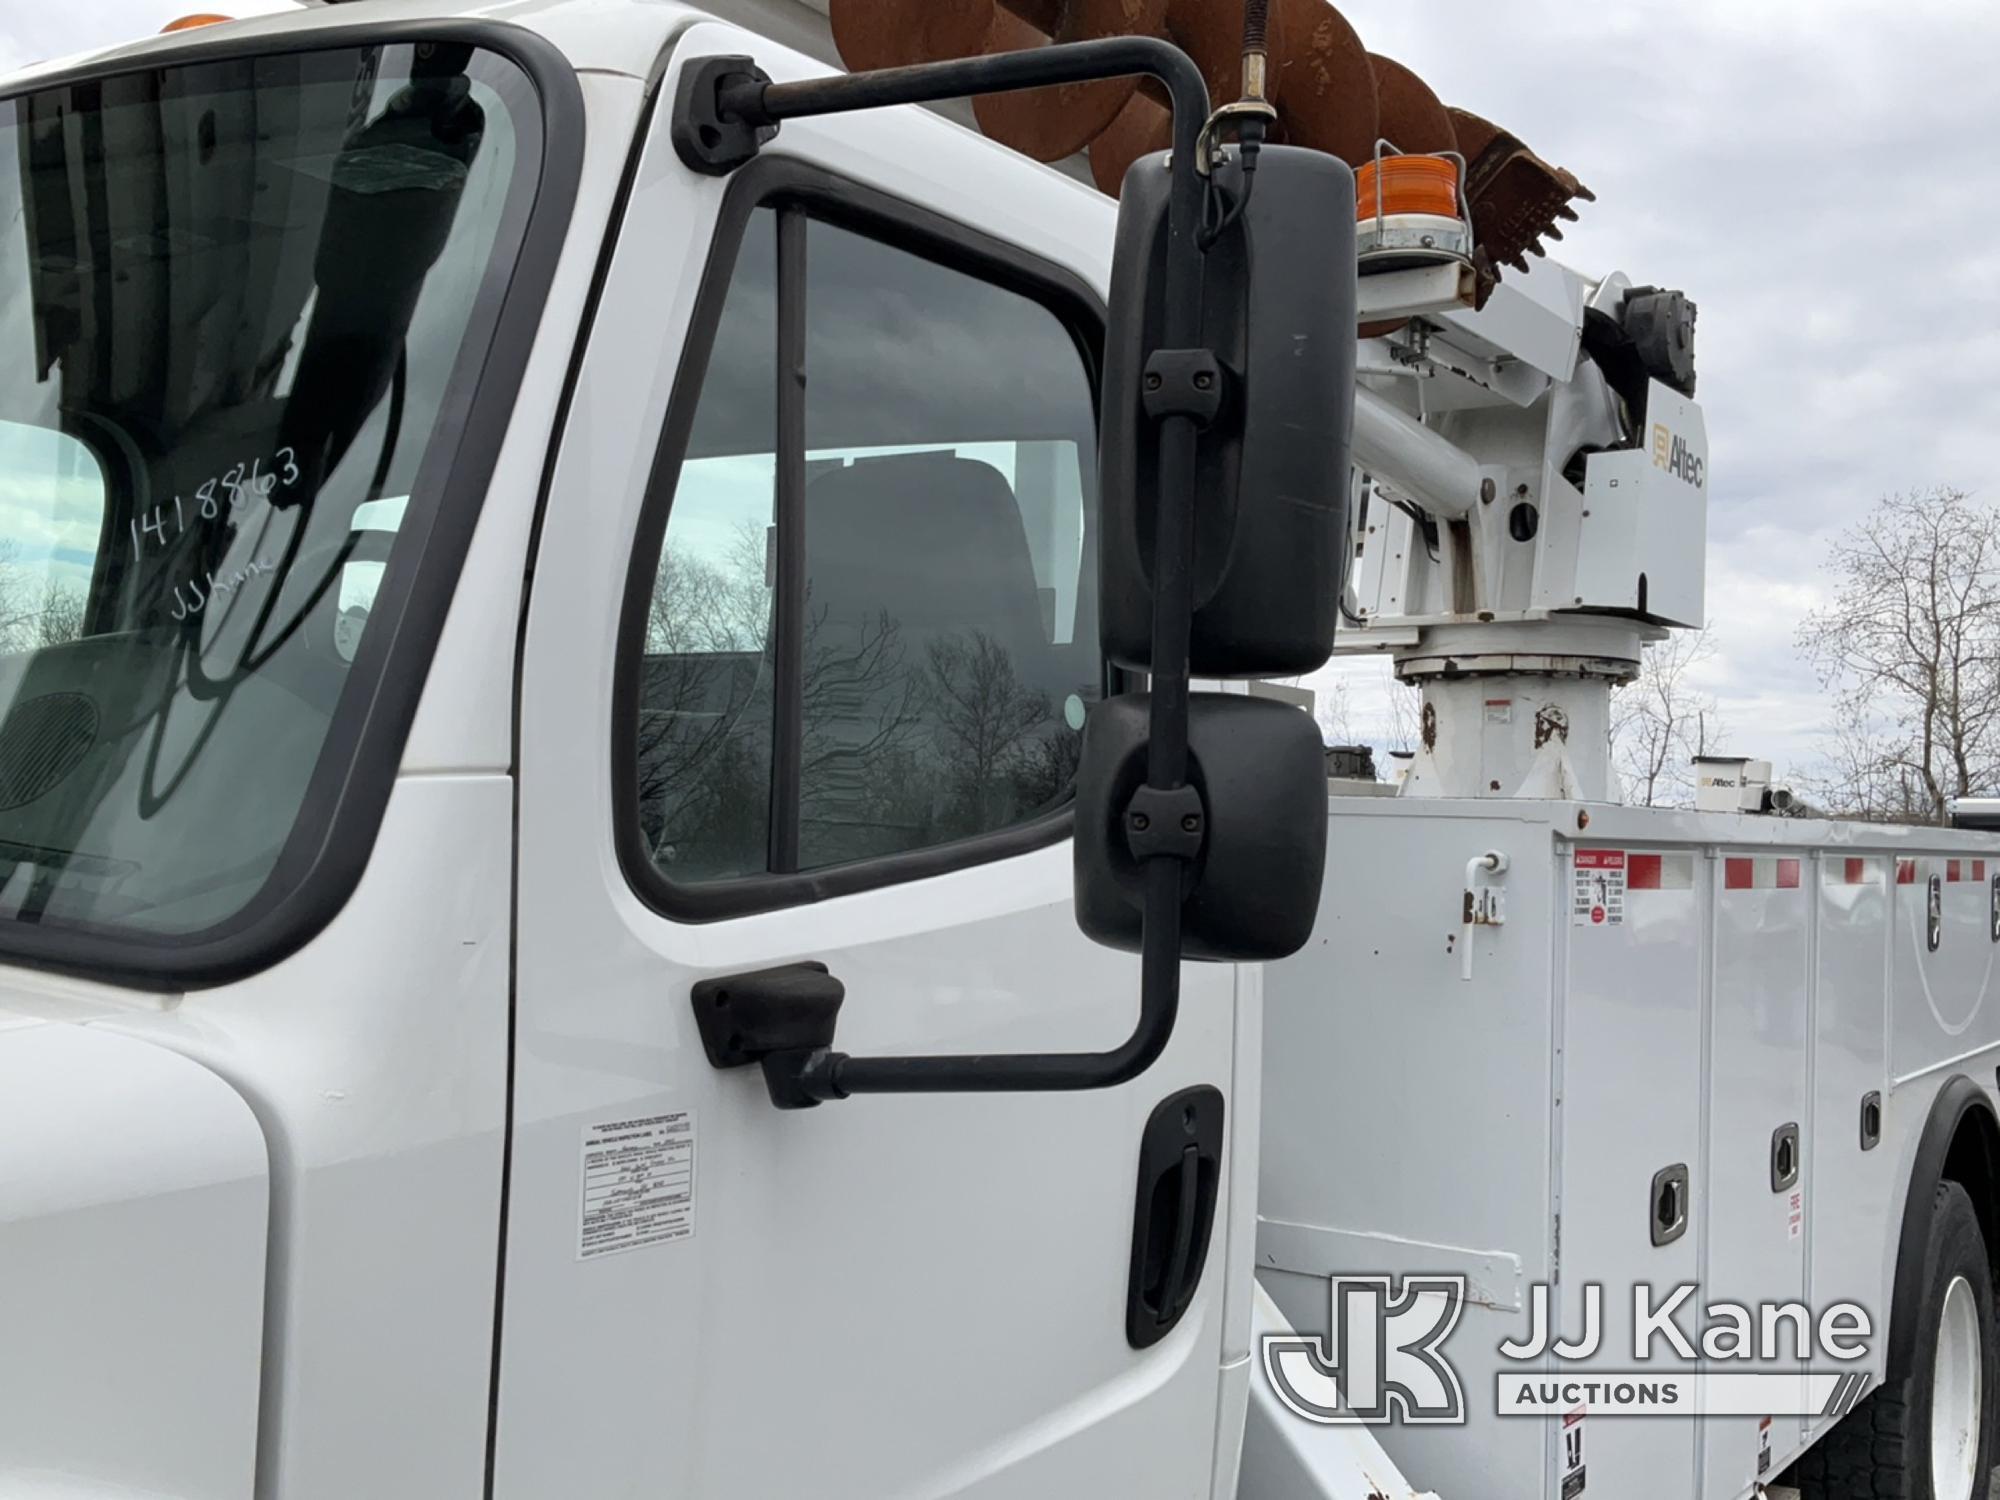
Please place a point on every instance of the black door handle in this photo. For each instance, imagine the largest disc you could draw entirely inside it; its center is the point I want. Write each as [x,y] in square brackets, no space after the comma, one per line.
[1173,1213]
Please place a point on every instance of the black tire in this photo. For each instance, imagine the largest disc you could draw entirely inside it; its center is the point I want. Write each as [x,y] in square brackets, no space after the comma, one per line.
[1882,1449]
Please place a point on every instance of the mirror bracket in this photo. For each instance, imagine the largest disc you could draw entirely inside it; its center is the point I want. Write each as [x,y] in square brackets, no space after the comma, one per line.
[1165,823]
[1183,383]
[781,1019]
[711,135]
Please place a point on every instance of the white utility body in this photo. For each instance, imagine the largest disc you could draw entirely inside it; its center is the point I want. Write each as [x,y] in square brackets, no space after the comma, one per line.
[1668,989]
[359,1137]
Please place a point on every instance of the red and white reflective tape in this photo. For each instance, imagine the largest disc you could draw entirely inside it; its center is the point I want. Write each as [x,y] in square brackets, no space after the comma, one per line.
[1955,871]
[1659,872]
[1672,871]
[1761,872]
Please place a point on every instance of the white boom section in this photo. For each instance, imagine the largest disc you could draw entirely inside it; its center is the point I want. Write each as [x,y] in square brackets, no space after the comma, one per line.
[1520,530]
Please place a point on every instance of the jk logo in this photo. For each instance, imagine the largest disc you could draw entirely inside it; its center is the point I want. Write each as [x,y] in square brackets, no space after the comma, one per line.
[1382,1360]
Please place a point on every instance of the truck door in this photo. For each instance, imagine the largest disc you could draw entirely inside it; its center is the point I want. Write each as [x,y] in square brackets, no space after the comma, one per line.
[811,638]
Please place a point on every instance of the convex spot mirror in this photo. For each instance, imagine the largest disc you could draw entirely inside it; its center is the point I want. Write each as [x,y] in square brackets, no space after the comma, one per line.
[1253,891]
[1271,488]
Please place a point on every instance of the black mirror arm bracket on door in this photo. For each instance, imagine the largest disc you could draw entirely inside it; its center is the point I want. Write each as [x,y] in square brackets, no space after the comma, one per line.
[783,1019]
[725,109]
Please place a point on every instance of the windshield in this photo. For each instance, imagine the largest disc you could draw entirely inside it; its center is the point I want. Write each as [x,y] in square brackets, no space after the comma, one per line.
[238,303]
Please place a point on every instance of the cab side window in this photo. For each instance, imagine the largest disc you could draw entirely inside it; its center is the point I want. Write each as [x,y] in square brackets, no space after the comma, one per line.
[871,627]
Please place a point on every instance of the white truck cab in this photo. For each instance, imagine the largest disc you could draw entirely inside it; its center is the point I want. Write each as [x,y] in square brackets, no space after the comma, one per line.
[410,762]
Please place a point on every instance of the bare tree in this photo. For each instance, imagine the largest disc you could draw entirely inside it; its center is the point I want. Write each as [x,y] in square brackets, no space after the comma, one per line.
[700,756]
[985,716]
[1661,721]
[1406,705]
[862,701]
[1047,767]
[1332,709]
[1861,775]
[37,607]
[1333,712]
[1910,643]
[705,713]
[906,739]
[60,617]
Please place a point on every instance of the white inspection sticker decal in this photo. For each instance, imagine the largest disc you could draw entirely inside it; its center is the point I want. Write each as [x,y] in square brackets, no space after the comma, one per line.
[637,1184]
[1597,892]
[1573,1471]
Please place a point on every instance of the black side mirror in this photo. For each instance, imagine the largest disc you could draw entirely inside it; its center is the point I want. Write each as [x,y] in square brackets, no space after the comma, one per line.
[1271,469]
[1259,768]
[1266,553]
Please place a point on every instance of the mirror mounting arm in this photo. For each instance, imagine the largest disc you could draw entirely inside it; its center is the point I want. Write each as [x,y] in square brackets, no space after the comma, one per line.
[725,109]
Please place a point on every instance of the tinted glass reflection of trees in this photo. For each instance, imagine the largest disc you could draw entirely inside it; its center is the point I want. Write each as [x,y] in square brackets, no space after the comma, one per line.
[906,743]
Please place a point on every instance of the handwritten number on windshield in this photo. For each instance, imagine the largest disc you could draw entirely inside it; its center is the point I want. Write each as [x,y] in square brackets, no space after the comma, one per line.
[231,492]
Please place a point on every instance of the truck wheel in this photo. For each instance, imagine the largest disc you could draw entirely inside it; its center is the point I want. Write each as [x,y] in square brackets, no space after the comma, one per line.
[1930,1436]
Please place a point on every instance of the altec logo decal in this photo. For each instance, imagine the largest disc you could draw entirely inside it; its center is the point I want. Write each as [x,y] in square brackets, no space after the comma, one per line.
[1677,457]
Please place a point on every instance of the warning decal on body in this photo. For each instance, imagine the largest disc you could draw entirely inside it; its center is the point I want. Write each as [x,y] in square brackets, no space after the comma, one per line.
[637,1184]
[1572,1455]
[1597,892]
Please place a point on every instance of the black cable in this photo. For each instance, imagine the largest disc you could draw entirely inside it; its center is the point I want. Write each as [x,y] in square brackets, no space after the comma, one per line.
[1249,141]
[218,690]
[1427,526]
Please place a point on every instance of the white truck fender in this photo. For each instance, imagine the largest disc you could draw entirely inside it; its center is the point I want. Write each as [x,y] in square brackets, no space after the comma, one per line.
[133,1218]
[1286,1457]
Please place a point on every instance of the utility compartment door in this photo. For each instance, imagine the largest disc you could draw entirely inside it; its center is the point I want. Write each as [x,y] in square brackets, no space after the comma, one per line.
[1754,1221]
[814,693]
[1850,1174]
[1630,1114]
[1946,967]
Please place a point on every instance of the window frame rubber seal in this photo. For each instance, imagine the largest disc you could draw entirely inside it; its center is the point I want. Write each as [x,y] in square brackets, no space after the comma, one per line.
[784,183]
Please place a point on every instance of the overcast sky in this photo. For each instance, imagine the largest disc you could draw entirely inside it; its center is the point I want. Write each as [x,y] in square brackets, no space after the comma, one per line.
[1818,174]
